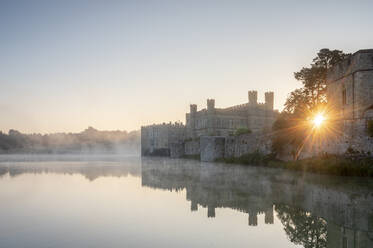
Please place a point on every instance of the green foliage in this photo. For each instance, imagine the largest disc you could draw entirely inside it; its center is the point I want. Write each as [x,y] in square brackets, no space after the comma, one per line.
[192,139]
[288,131]
[255,158]
[195,157]
[370,128]
[313,78]
[302,227]
[86,141]
[326,164]
[298,102]
[241,131]
[291,128]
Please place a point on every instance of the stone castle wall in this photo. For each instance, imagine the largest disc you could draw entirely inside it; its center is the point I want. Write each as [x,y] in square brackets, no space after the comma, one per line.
[192,147]
[349,110]
[157,139]
[225,121]
[212,148]
[247,143]
[350,104]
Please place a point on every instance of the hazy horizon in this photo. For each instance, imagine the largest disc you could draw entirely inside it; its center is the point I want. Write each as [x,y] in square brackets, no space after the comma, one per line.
[117,65]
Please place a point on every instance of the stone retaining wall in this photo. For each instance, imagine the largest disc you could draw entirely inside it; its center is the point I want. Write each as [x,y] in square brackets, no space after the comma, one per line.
[192,148]
[236,146]
[212,148]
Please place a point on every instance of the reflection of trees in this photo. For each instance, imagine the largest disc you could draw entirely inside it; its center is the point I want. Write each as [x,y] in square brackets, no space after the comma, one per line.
[91,169]
[302,227]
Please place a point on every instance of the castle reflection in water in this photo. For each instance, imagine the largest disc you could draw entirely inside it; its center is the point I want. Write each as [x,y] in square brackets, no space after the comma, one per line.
[315,211]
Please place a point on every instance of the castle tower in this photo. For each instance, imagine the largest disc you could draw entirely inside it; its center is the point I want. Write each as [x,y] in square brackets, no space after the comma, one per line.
[193,108]
[192,119]
[269,99]
[253,219]
[268,215]
[253,97]
[210,105]
[210,116]
[210,212]
[348,85]
[194,206]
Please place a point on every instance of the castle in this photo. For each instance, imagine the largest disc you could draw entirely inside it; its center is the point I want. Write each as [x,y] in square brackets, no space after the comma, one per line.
[225,121]
[209,133]
[210,121]
[157,139]
[350,105]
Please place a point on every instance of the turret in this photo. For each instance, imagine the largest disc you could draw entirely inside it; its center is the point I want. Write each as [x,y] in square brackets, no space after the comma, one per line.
[193,108]
[253,219]
[210,212]
[268,216]
[194,206]
[253,97]
[192,120]
[210,105]
[269,99]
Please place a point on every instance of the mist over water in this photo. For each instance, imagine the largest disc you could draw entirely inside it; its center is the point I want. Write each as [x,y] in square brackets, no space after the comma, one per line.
[90,141]
[127,201]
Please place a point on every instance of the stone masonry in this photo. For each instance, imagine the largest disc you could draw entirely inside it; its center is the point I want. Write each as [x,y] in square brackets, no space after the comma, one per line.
[212,121]
[177,140]
[209,132]
[350,104]
[157,139]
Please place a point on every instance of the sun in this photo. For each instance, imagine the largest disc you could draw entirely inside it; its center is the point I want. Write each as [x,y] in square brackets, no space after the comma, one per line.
[318,120]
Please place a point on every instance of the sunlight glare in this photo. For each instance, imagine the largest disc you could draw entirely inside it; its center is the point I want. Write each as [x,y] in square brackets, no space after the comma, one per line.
[318,120]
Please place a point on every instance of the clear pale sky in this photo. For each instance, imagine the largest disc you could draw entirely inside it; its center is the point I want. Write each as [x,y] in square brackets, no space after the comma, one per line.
[67,65]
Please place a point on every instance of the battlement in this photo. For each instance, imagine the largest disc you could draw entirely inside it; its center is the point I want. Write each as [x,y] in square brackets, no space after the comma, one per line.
[193,108]
[236,107]
[210,121]
[269,99]
[361,60]
[164,124]
[210,104]
[253,97]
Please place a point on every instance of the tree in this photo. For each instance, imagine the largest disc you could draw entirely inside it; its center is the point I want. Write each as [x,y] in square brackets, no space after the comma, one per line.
[302,227]
[313,93]
[292,127]
[297,102]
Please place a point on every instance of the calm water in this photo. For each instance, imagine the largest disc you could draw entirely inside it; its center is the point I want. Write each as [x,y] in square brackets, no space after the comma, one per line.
[113,201]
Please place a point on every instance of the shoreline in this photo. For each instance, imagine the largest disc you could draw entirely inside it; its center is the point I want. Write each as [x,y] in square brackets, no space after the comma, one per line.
[337,165]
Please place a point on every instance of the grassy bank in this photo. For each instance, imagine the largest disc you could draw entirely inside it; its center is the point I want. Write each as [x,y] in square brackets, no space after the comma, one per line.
[326,164]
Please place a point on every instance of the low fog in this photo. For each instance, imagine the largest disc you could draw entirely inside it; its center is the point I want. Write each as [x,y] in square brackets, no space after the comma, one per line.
[90,141]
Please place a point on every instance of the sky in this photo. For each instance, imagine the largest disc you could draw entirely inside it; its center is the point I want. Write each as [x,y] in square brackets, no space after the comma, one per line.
[67,65]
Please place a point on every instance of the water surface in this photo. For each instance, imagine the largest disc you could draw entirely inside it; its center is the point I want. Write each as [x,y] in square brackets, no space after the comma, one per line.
[117,201]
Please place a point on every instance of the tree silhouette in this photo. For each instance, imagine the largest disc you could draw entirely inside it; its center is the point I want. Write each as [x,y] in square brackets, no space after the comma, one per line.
[302,227]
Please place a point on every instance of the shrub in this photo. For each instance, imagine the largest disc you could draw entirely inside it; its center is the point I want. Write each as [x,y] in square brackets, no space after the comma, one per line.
[325,164]
[241,131]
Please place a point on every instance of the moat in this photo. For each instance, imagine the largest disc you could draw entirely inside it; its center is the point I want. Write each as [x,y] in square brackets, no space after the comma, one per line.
[117,201]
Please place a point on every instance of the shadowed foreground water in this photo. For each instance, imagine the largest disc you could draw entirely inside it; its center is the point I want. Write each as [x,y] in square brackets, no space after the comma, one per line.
[114,201]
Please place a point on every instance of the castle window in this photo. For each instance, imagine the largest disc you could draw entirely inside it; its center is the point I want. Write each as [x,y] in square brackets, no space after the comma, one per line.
[344,97]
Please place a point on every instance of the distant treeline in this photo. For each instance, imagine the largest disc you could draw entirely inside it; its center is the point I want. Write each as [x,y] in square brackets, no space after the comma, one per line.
[88,141]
